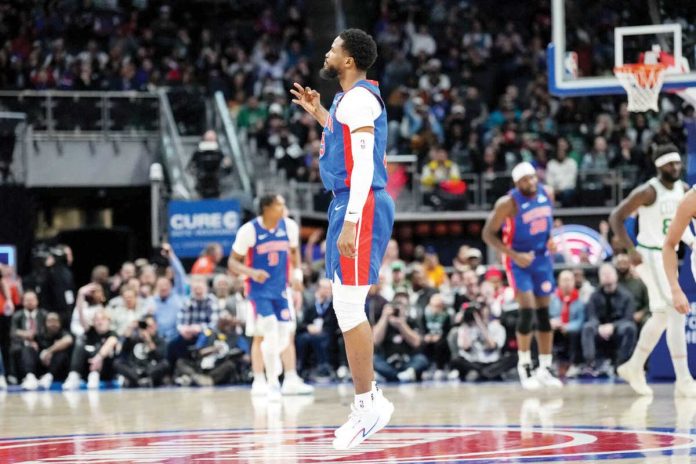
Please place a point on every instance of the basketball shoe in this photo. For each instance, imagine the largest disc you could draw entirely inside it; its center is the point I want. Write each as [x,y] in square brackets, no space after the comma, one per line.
[364,421]
[547,378]
[527,378]
[635,376]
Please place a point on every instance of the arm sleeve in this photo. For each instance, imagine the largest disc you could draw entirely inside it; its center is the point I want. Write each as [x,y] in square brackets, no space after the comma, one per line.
[179,274]
[293,233]
[245,239]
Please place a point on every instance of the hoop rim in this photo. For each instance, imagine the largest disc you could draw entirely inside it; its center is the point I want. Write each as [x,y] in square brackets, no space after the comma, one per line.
[637,67]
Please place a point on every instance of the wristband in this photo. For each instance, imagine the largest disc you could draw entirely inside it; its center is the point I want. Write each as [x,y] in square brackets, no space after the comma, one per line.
[297,274]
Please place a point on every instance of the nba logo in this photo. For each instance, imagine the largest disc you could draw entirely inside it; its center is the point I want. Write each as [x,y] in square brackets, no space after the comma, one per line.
[570,65]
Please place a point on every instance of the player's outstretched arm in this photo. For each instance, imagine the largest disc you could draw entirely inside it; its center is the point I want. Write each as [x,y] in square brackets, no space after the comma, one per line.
[685,211]
[643,195]
[309,100]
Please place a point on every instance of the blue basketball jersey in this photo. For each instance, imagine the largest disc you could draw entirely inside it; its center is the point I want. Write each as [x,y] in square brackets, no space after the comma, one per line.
[530,229]
[270,253]
[335,153]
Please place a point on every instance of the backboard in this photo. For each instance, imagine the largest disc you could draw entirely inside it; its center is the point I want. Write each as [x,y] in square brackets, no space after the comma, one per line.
[590,37]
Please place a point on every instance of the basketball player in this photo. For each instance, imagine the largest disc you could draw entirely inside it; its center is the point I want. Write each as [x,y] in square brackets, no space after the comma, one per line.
[270,245]
[656,202]
[353,166]
[525,215]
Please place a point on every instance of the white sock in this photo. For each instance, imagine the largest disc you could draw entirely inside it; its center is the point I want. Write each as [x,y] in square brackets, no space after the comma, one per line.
[676,342]
[363,401]
[524,357]
[291,374]
[545,360]
[649,336]
[259,376]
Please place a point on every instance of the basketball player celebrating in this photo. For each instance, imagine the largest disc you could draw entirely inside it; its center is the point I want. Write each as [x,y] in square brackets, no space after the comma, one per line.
[352,165]
[656,203]
[525,215]
[270,245]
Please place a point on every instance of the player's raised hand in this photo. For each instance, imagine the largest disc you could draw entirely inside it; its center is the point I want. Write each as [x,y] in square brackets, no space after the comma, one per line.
[681,303]
[259,276]
[523,260]
[307,98]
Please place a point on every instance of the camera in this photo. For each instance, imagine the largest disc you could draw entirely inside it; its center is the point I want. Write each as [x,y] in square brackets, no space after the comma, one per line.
[142,325]
[470,310]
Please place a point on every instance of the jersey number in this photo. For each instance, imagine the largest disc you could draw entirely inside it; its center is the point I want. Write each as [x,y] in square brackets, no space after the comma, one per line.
[665,225]
[539,226]
[273,258]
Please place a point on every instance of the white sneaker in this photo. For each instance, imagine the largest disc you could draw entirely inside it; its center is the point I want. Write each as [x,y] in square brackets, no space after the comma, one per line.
[527,378]
[93,380]
[635,376]
[362,424]
[296,386]
[45,381]
[573,371]
[30,383]
[409,375]
[547,378]
[259,387]
[453,375]
[3,383]
[439,375]
[274,394]
[72,382]
[342,372]
[685,388]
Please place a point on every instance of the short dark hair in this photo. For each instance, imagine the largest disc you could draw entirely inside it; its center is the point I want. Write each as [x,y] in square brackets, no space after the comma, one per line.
[266,201]
[663,150]
[361,46]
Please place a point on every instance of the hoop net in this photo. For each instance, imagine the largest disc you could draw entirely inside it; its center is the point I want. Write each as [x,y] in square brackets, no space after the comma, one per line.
[642,83]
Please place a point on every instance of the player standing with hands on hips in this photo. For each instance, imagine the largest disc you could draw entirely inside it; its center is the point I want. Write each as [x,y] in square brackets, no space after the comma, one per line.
[352,165]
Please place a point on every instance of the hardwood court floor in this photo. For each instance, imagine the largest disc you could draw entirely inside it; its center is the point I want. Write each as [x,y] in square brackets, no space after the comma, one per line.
[433,422]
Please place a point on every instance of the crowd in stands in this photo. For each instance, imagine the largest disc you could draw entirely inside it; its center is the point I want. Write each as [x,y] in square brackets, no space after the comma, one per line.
[151,323]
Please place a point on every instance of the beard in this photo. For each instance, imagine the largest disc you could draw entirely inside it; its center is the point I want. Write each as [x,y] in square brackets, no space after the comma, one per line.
[328,73]
[669,177]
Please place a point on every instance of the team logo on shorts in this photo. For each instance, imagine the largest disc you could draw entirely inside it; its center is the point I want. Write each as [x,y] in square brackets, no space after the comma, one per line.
[391,445]
[285,314]
[546,286]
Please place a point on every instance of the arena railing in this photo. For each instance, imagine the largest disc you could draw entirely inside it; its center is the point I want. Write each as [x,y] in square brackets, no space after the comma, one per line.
[180,180]
[116,115]
[231,143]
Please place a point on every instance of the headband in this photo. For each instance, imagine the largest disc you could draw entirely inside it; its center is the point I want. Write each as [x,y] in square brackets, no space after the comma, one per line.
[671,157]
[521,170]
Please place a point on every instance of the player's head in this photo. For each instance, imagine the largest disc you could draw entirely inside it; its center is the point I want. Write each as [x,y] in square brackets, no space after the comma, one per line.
[353,49]
[667,162]
[272,206]
[525,178]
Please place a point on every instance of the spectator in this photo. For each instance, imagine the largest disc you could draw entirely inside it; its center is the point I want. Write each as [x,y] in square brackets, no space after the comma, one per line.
[318,330]
[123,316]
[209,259]
[441,180]
[58,291]
[480,342]
[142,360]
[397,343]
[598,158]
[609,321]
[100,276]
[583,285]
[169,299]
[635,286]
[471,293]
[469,258]
[435,272]
[567,314]
[90,299]
[216,356]
[49,357]
[199,312]
[422,291]
[207,164]
[9,300]
[126,273]
[562,174]
[95,356]
[222,288]
[436,326]
[27,325]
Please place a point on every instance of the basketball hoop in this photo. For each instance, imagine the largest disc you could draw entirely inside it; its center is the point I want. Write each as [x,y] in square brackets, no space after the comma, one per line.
[642,83]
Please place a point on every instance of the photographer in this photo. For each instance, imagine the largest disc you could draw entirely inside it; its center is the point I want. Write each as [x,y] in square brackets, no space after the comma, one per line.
[479,345]
[95,355]
[216,355]
[142,360]
[397,343]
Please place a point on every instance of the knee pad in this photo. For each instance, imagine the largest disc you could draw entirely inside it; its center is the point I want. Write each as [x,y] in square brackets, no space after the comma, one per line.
[542,319]
[349,305]
[269,327]
[524,322]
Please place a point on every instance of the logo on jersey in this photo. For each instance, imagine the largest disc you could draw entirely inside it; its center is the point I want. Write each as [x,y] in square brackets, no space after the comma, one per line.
[394,444]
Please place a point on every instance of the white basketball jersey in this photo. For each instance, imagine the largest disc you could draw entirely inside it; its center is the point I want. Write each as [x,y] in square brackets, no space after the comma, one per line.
[654,220]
